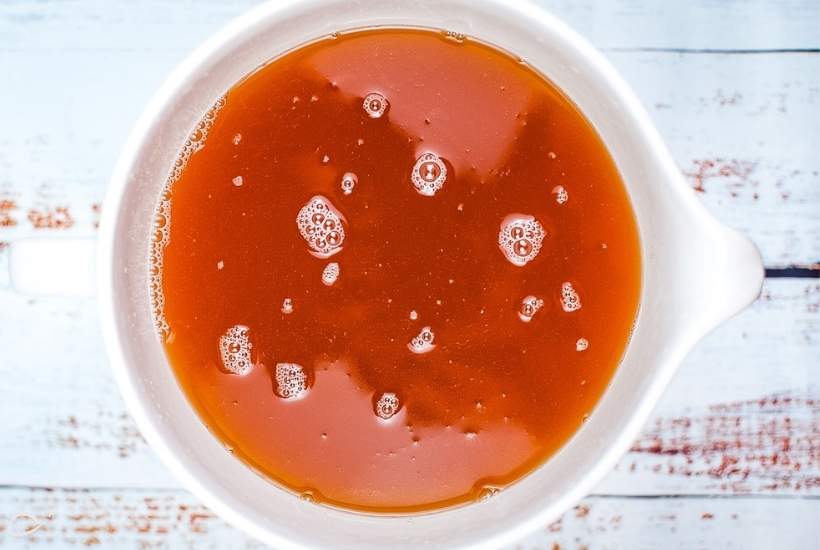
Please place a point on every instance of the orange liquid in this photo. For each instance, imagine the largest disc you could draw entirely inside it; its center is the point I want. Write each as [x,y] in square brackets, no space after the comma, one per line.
[496,396]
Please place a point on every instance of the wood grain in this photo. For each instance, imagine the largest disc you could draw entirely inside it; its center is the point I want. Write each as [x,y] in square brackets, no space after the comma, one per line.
[36,518]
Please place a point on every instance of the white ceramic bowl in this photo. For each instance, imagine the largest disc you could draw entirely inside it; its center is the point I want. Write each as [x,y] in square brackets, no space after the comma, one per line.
[696,273]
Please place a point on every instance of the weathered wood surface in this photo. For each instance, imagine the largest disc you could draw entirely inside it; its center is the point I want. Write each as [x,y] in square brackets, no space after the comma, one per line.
[734,87]
[173,519]
[738,25]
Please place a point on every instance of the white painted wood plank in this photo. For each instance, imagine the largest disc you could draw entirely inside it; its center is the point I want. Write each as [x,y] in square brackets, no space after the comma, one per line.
[742,127]
[741,416]
[173,519]
[120,24]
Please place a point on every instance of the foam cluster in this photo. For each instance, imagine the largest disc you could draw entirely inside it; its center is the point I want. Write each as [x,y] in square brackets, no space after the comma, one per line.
[320,224]
[375,105]
[561,195]
[291,380]
[423,343]
[235,350]
[348,183]
[520,238]
[429,174]
[570,301]
[529,306]
[330,274]
[387,405]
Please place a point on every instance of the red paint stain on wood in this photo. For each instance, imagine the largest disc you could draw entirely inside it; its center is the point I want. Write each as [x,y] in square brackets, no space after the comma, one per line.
[735,174]
[7,206]
[766,444]
[96,209]
[105,432]
[58,218]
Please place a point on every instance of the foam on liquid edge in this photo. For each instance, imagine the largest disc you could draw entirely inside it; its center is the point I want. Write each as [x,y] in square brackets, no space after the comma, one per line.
[162,217]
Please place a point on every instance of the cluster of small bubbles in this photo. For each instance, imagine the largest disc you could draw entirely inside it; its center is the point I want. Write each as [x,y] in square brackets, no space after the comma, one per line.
[414,315]
[291,381]
[160,230]
[237,181]
[561,195]
[375,105]
[330,273]
[387,405]
[581,344]
[287,306]
[529,306]
[320,225]
[520,238]
[429,174]
[455,36]
[487,493]
[237,138]
[235,350]
[325,159]
[422,343]
[349,181]
[570,300]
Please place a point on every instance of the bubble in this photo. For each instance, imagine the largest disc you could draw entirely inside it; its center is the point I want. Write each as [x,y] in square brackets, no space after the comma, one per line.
[235,350]
[375,105]
[581,344]
[570,301]
[291,381]
[330,273]
[308,496]
[529,306]
[160,221]
[487,493]
[220,265]
[320,224]
[414,315]
[423,343]
[287,306]
[349,181]
[520,238]
[237,181]
[387,405]
[561,195]
[237,138]
[429,174]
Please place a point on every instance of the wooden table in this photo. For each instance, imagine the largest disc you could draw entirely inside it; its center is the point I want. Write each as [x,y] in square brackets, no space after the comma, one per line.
[731,457]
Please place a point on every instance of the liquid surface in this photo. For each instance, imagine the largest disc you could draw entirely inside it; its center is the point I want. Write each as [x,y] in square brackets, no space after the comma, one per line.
[395,271]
